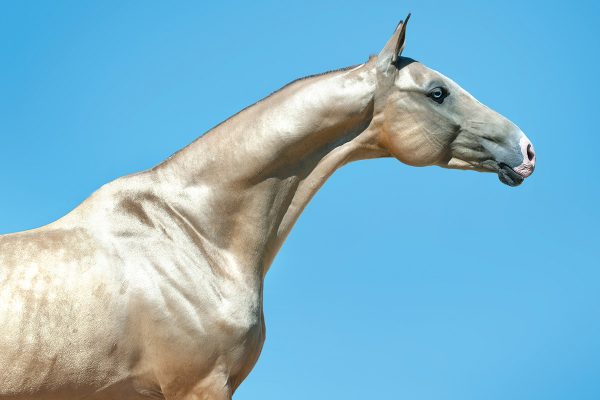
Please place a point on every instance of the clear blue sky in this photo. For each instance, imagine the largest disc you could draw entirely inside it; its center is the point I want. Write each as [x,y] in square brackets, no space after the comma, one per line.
[397,282]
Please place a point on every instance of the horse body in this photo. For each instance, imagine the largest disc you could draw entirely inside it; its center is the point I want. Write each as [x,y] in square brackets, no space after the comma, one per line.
[153,286]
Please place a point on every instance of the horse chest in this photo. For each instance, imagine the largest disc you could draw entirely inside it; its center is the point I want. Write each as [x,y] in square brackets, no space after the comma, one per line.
[205,326]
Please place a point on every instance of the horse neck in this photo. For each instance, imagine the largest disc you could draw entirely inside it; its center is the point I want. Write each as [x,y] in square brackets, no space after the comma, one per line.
[244,183]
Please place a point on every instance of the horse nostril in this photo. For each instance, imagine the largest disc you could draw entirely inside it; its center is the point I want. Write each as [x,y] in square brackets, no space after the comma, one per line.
[530,152]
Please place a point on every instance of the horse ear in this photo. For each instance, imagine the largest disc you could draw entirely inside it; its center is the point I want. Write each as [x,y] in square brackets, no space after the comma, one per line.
[393,48]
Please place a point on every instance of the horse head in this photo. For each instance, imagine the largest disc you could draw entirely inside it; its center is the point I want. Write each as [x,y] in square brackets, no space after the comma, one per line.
[425,118]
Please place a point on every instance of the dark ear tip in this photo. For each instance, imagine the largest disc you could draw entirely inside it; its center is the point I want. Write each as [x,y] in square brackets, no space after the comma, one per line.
[403,22]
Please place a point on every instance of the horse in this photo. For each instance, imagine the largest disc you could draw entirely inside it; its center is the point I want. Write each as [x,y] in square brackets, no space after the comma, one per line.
[153,286]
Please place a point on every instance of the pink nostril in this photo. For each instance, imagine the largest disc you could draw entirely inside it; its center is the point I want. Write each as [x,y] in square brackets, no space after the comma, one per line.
[530,152]
[528,164]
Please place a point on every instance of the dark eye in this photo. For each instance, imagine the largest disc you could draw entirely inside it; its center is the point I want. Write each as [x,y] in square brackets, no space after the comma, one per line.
[438,94]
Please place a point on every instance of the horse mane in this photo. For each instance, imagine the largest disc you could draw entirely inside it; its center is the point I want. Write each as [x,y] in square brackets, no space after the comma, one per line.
[259,101]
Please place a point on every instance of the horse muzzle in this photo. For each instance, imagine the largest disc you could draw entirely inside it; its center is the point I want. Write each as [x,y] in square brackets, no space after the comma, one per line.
[516,175]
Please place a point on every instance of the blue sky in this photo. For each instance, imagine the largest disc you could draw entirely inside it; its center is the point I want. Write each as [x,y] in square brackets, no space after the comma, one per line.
[397,282]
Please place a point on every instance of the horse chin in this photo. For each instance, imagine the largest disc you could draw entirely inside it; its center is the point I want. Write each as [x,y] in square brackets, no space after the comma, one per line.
[508,176]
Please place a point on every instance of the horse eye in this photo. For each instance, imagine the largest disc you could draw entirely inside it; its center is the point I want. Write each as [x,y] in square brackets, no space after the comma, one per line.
[438,94]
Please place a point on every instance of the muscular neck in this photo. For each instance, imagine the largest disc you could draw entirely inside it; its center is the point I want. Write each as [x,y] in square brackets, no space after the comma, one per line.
[244,183]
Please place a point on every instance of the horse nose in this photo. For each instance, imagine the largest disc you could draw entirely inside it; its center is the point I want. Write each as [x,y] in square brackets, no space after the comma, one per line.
[528,165]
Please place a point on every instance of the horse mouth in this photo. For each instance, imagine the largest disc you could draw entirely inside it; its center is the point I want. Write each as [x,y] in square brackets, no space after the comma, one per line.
[508,176]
